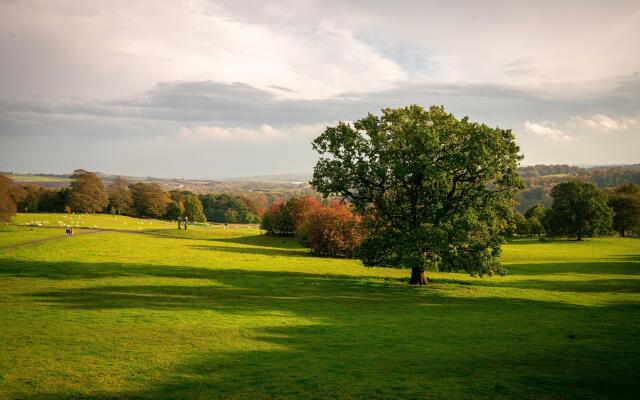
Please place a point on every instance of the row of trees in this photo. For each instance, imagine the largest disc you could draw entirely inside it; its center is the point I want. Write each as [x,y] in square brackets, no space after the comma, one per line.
[580,209]
[331,230]
[88,194]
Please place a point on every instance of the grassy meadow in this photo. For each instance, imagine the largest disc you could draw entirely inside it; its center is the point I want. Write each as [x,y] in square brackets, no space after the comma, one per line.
[230,313]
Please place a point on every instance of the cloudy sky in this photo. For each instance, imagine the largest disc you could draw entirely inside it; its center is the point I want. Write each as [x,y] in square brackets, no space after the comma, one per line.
[211,89]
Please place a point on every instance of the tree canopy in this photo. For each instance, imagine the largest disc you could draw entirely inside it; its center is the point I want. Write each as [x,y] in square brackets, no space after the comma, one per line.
[149,200]
[120,200]
[229,208]
[433,190]
[579,209]
[534,216]
[625,202]
[193,208]
[88,194]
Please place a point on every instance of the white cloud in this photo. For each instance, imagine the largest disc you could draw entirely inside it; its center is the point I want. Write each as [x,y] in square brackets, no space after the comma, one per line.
[240,134]
[603,123]
[125,47]
[545,130]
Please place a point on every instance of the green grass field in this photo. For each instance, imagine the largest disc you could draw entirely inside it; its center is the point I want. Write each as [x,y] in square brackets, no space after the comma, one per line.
[36,178]
[229,313]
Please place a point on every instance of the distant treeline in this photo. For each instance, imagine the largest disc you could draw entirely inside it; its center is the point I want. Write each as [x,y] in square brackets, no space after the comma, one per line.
[87,193]
[241,205]
[540,179]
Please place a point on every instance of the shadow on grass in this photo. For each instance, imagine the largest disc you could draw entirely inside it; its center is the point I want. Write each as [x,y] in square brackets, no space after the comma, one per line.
[616,286]
[263,251]
[365,337]
[622,265]
[233,237]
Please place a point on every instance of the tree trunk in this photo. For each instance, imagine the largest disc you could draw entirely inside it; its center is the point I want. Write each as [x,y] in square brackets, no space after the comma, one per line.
[418,277]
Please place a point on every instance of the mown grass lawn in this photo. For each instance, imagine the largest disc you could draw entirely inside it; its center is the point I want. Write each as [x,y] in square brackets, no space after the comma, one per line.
[229,313]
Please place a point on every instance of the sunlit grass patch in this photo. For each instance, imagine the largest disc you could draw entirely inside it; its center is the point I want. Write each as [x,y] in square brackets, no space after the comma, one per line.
[231,313]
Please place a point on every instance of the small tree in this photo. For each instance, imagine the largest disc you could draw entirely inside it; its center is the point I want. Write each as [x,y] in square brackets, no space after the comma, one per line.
[433,190]
[625,202]
[231,216]
[332,231]
[88,194]
[579,209]
[286,218]
[534,217]
[521,225]
[120,199]
[246,217]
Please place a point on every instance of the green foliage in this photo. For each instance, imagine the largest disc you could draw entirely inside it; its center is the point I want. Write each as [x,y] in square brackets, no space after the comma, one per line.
[625,202]
[521,224]
[88,194]
[535,211]
[534,216]
[579,209]
[217,208]
[247,218]
[434,191]
[175,210]
[231,216]
[193,208]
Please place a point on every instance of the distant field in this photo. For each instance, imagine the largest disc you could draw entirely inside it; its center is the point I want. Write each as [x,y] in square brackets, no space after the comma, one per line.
[90,221]
[37,178]
[231,313]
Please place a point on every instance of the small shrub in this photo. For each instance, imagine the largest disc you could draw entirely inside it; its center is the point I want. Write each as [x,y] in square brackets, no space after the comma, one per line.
[332,231]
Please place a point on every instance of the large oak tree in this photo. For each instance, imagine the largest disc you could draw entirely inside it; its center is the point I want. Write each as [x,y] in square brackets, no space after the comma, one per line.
[434,191]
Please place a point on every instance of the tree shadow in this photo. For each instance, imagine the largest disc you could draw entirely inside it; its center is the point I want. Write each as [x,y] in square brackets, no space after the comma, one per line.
[249,240]
[589,286]
[623,267]
[370,338]
[264,251]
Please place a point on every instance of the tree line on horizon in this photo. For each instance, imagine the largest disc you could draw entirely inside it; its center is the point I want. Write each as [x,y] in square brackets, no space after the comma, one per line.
[88,194]
[539,180]
[588,210]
